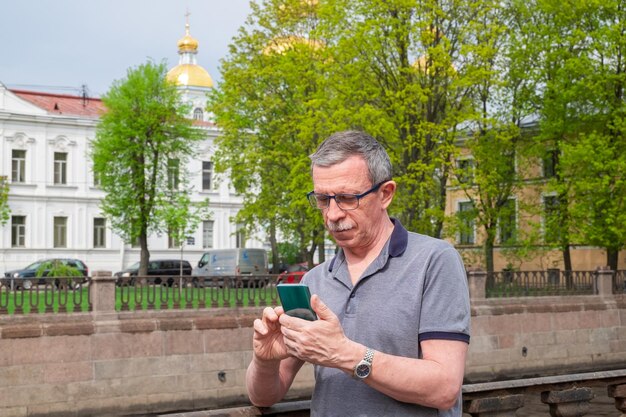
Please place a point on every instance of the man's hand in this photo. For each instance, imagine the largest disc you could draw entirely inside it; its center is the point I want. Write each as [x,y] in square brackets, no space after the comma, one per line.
[321,342]
[268,341]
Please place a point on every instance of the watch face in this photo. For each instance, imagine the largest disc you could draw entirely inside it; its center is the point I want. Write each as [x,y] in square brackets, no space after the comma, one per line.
[362,370]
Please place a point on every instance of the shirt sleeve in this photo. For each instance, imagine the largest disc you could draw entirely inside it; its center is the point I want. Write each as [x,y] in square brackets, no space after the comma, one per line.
[445,306]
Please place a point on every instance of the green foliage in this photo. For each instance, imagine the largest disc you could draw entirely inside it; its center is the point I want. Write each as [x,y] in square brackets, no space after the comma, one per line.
[269,109]
[577,53]
[144,129]
[396,76]
[4,200]
[420,76]
[57,268]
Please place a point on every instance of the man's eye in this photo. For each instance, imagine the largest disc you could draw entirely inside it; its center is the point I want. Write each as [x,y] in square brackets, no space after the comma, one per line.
[344,198]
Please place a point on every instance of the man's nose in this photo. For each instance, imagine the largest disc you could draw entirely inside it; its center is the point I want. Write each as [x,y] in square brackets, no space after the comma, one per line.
[333,211]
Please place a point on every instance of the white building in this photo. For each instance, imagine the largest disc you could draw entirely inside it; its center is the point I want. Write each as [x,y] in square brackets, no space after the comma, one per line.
[54,202]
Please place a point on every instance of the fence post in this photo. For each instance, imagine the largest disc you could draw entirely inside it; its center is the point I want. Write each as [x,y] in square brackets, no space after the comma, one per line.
[102,292]
[477,281]
[604,281]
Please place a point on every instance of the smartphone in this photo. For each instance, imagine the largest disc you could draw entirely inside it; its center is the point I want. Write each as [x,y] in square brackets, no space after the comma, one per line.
[296,300]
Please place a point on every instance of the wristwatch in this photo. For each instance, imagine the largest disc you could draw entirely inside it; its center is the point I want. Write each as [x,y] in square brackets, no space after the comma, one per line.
[363,369]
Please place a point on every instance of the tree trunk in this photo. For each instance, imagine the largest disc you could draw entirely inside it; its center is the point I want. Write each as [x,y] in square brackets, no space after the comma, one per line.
[611,258]
[274,247]
[567,257]
[321,247]
[145,255]
[488,247]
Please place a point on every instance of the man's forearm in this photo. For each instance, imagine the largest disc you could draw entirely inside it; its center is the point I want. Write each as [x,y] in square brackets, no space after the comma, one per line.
[268,381]
[433,381]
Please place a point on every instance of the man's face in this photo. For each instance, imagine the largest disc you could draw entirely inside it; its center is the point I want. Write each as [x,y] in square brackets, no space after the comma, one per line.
[350,228]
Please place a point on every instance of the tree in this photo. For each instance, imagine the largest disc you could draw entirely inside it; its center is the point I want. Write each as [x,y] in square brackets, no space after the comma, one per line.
[4,200]
[400,74]
[598,186]
[141,142]
[550,42]
[578,54]
[491,178]
[269,107]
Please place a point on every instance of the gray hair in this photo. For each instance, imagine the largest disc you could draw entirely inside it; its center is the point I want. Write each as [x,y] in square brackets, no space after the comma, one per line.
[341,145]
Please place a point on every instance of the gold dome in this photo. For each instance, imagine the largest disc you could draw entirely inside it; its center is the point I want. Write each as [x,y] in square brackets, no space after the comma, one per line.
[190,75]
[187,43]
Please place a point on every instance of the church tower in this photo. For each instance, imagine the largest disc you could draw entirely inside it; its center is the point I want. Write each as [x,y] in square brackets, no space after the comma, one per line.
[192,79]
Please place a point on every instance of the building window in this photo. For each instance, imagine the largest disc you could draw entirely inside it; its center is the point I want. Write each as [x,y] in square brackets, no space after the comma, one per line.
[550,162]
[198,114]
[96,179]
[60,232]
[172,241]
[18,166]
[508,222]
[551,216]
[466,216]
[240,237]
[173,171]
[18,231]
[207,234]
[60,168]
[465,170]
[207,175]
[99,232]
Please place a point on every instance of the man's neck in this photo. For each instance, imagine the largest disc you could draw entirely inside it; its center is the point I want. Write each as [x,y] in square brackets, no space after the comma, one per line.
[359,259]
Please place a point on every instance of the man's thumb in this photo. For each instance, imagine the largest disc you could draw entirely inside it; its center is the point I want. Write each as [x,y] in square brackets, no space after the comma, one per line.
[322,310]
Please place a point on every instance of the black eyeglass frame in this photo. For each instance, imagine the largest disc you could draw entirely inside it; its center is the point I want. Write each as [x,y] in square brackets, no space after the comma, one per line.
[328,197]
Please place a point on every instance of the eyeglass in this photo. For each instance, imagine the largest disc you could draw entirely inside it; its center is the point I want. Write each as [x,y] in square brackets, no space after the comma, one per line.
[344,201]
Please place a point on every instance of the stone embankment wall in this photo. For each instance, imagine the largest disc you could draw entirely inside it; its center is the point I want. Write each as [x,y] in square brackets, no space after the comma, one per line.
[528,337]
[121,363]
[81,365]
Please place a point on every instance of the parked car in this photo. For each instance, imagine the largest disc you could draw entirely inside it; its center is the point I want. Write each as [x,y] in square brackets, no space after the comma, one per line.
[170,268]
[293,274]
[37,272]
[242,261]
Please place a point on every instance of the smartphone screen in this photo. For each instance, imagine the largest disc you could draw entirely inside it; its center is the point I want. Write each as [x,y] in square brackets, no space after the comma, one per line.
[296,300]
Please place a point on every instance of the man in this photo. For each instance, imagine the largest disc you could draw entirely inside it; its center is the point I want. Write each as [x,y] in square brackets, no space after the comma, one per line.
[393,307]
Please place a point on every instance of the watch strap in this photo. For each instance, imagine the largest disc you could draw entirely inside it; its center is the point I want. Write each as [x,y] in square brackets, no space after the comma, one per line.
[369,356]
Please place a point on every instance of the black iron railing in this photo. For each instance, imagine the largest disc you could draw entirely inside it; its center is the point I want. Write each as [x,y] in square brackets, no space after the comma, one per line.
[540,283]
[191,292]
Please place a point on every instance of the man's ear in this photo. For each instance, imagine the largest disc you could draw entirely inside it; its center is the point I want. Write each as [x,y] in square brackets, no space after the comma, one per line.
[388,190]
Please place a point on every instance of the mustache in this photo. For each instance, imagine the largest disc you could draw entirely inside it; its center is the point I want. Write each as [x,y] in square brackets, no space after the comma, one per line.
[339,226]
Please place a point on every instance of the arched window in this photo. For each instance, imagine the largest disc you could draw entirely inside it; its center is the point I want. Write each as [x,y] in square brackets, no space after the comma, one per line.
[198,114]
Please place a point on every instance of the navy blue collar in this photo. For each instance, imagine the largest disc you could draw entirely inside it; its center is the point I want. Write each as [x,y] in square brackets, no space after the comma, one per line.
[398,242]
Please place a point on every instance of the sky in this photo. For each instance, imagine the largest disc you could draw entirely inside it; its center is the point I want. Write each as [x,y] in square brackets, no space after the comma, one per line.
[60,45]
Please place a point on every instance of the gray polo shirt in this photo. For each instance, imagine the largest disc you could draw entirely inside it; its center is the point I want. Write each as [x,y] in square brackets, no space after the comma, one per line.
[415,290]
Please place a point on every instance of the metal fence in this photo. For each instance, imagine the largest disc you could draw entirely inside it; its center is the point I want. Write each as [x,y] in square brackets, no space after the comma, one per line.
[44,295]
[540,283]
[190,292]
[68,295]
